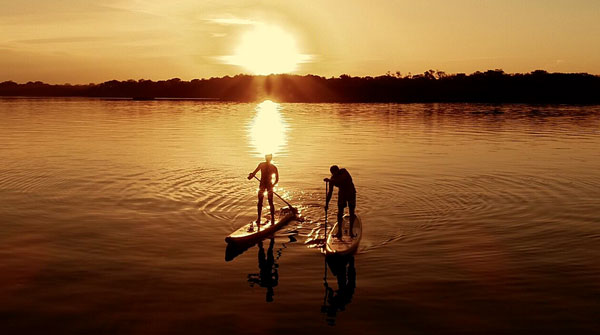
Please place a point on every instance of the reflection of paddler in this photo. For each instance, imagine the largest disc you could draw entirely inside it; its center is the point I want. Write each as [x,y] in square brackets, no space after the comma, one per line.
[346,195]
[267,170]
[268,276]
[345,272]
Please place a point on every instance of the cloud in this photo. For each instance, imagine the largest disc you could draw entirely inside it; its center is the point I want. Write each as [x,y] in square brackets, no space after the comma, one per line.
[232,21]
[75,39]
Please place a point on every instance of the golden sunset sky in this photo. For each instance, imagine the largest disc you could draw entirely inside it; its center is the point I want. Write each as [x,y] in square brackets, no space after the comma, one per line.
[81,41]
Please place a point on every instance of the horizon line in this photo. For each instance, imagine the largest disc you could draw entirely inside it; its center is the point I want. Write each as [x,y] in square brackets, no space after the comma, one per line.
[395,74]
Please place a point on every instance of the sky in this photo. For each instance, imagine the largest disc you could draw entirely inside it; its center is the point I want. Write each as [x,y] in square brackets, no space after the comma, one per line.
[83,41]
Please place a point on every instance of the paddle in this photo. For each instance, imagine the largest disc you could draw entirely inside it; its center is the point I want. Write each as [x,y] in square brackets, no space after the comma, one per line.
[287,203]
[324,308]
[326,218]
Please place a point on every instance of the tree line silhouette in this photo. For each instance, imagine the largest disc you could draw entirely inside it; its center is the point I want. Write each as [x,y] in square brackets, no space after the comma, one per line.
[494,86]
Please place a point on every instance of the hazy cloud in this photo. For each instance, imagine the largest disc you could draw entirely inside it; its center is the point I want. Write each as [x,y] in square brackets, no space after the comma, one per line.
[75,39]
[232,21]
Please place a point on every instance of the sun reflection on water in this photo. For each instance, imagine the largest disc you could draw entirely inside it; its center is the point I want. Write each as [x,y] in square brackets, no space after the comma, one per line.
[268,129]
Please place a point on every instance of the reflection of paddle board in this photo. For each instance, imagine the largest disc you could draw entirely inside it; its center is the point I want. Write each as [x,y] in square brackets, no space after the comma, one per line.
[346,245]
[253,233]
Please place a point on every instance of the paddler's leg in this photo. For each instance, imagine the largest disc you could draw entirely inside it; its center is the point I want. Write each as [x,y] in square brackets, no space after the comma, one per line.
[351,207]
[261,195]
[270,196]
[340,215]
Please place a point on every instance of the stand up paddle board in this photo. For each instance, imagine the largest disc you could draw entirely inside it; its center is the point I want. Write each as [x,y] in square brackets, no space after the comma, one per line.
[347,244]
[254,233]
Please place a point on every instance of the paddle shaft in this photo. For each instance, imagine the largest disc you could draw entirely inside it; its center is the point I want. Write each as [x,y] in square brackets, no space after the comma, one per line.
[326,211]
[325,245]
[287,203]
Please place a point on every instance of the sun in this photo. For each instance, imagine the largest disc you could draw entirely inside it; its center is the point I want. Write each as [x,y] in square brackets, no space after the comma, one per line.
[267,49]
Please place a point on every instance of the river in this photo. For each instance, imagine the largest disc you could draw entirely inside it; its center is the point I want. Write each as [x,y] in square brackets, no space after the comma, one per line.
[477,218]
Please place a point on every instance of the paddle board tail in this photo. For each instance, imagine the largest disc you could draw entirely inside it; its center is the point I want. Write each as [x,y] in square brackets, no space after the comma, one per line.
[253,232]
[341,239]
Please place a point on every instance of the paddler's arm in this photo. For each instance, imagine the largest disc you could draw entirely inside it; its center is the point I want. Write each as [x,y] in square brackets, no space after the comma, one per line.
[276,176]
[329,193]
[253,173]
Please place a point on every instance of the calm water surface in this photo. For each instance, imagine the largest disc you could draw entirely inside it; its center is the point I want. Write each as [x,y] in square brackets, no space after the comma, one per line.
[477,218]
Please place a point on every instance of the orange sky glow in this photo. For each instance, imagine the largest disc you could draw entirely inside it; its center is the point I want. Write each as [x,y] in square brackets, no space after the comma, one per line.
[82,41]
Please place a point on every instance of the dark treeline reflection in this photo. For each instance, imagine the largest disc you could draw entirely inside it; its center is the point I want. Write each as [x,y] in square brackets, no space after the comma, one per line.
[432,86]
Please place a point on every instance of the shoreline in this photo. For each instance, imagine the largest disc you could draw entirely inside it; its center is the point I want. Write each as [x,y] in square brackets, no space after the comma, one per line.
[493,86]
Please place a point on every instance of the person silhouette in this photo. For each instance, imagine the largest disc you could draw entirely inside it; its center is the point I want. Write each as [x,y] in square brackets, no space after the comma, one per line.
[268,276]
[346,195]
[267,170]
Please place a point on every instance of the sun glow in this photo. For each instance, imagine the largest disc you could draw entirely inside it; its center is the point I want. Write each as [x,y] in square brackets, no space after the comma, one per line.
[268,129]
[267,49]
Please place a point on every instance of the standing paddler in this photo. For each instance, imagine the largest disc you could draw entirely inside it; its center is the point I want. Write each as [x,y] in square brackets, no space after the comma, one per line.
[267,170]
[346,195]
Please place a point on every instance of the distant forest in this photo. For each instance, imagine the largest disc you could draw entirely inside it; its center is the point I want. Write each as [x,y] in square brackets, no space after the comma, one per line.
[493,86]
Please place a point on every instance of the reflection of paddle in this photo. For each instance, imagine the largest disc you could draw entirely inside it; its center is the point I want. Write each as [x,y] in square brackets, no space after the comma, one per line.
[324,308]
[287,203]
